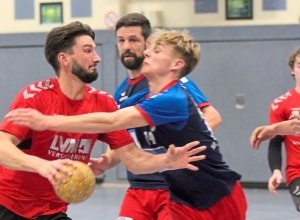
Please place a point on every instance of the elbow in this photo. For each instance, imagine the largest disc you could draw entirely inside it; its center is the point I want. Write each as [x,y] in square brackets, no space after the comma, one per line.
[219,119]
[216,121]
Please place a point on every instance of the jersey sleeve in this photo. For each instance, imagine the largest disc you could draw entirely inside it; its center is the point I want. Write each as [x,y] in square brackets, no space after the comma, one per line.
[115,139]
[164,108]
[195,92]
[24,99]
[135,99]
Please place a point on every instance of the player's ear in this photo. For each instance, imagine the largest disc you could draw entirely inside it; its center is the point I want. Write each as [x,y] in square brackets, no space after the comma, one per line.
[63,59]
[178,64]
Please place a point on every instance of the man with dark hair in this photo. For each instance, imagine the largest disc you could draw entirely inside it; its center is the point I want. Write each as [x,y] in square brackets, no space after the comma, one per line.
[282,108]
[147,196]
[70,49]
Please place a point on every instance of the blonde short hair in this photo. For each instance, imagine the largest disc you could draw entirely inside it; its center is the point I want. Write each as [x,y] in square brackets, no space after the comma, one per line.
[183,45]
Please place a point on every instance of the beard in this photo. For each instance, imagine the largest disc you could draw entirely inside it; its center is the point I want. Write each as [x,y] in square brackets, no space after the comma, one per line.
[84,75]
[132,64]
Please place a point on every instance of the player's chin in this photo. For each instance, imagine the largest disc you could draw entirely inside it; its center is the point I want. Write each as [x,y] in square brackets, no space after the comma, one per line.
[145,70]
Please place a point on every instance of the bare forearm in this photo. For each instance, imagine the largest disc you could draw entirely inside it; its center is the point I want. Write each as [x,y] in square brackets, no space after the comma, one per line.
[87,123]
[113,158]
[283,128]
[148,164]
[14,159]
[142,162]
[97,122]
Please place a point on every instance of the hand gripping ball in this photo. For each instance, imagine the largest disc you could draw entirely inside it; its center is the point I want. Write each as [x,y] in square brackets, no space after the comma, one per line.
[79,187]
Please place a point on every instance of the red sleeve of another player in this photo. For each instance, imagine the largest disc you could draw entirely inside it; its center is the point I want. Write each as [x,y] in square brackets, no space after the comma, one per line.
[277,113]
[115,139]
[20,101]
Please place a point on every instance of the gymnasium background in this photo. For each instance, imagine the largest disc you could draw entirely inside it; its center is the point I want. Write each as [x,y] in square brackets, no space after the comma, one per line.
[243,65]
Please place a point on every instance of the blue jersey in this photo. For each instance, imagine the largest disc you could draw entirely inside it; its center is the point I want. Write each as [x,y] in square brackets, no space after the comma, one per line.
[174,119]
[194,91]
[127,89]
[130,87]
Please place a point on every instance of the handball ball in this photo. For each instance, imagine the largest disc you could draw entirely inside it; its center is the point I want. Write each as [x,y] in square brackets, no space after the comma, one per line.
[79,187]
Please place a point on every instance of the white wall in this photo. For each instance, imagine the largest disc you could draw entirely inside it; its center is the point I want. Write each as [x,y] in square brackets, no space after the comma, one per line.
[180,13]
[9,25]
[174,13]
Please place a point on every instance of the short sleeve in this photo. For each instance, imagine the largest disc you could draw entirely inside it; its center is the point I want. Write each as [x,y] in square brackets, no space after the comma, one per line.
[195,92]
[165,108]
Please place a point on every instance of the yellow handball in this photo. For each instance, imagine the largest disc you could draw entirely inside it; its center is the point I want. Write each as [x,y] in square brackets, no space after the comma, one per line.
[79,187]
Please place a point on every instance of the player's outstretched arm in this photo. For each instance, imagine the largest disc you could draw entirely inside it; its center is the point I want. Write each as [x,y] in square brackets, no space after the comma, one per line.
[141,162]
[13,158]
[88,123]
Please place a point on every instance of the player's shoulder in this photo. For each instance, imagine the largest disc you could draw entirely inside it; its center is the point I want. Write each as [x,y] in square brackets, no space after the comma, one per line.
[174,94]
[175,91]
[137,98]
[284,97]
[185,79]
[283,100]
[36,89]
[96,93]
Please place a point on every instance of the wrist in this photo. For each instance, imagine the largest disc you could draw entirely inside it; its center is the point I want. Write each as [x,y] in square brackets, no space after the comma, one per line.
[35,163]
[276,171]
[167,163]
[51,123]
[274,129]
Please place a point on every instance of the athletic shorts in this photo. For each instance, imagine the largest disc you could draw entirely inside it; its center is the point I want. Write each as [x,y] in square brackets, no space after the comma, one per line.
[145,204]
[6,214]
[231,207]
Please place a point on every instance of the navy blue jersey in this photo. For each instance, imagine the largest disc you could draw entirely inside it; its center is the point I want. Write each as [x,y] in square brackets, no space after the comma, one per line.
[174,119]
[128,88]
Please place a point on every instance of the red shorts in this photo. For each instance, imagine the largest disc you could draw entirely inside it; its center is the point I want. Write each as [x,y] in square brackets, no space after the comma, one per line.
[142,204]
[231,207]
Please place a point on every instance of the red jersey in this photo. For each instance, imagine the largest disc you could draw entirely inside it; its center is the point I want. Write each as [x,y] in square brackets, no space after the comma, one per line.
[281,109]
[29,194]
